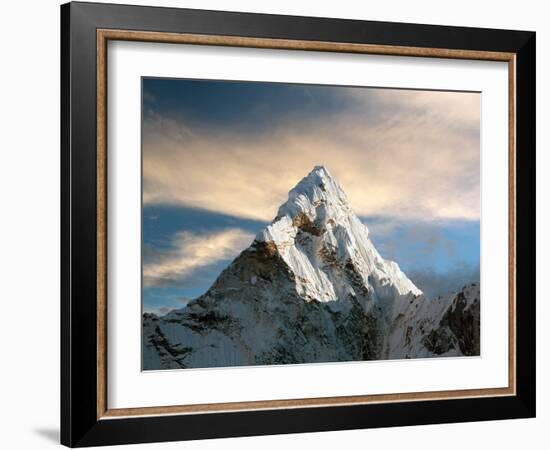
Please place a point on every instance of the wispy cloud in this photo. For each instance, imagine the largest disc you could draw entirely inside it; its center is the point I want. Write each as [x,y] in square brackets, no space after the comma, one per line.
[416,242]
[434,283]
[438,256]
[399,153]
[426,243]
[189,252]
[459,111]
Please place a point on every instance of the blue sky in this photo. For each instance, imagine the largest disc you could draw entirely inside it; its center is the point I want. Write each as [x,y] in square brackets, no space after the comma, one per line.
[219,158]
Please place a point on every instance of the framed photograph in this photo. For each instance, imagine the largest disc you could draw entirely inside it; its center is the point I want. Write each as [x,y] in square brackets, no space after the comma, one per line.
[276,224]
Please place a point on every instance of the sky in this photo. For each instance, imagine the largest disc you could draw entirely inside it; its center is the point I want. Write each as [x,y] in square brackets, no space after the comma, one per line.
[219,157]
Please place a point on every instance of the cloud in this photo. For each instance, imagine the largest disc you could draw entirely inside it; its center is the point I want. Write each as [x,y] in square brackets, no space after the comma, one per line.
[413,242]
[434,283]
[452,110]
[190,252]
[396,153]
[439,257]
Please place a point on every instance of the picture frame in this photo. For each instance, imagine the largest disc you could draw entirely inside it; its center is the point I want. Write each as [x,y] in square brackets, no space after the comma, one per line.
[86,29]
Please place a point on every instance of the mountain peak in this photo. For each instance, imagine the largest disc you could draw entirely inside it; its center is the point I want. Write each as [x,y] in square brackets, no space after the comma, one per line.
[318,194]
[320,177]
[319,172]
[325,245]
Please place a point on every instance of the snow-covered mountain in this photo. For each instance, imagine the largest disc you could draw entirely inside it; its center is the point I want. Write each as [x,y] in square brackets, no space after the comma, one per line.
[312,288]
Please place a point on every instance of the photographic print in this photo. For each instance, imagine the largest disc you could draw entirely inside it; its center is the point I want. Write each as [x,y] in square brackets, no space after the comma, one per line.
[293,223]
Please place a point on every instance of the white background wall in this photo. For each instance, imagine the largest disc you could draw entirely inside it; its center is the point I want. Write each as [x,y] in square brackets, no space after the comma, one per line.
[29,223]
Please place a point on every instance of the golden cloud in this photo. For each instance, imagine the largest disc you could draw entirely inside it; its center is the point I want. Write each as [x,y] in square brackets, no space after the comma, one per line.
[190,251]
[412,155]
